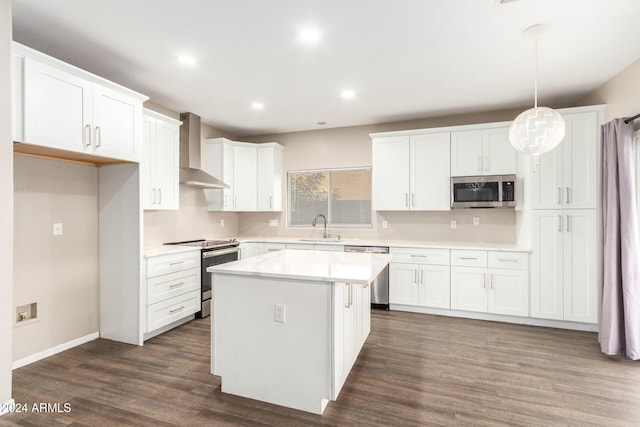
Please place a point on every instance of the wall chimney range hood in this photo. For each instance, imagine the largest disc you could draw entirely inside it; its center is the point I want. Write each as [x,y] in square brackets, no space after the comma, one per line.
[190,172]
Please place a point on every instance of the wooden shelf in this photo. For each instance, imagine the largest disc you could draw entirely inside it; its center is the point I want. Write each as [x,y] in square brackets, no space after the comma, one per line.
[24,149]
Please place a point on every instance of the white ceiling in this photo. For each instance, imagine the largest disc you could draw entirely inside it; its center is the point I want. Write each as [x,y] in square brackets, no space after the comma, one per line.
[405,58]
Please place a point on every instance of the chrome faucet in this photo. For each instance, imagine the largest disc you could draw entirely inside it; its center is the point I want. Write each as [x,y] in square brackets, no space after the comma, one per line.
[325,235]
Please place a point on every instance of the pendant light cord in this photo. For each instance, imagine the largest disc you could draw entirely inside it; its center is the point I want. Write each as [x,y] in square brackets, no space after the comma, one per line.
[535,79]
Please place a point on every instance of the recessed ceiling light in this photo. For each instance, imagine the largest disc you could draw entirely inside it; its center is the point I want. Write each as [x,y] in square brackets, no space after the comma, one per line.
[348,94]
[309,35]
[186,59]
[257,105]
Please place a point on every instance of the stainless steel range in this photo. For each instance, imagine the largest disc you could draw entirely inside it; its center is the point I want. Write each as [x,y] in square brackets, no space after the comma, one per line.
[213,252]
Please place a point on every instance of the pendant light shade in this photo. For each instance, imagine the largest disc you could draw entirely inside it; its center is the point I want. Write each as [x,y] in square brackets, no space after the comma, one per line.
[539,129]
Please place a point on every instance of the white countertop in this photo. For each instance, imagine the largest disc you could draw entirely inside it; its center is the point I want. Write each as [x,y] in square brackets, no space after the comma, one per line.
[167,249]
[316,266]
[391,243]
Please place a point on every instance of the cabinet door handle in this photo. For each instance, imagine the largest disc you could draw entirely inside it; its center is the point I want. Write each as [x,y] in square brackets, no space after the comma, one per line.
[567,198]
[176,285]
[472,258]
[176,262]
[484,281]
[270,202]
[422,277]
[559,195]
[567,225]
[507,260]
[415,276]
[98,137]
[406,199]
[560,223]
[87,131]
[413,199]
[418,256]
[486,164]
[490,278]
[176,309]
[479,164]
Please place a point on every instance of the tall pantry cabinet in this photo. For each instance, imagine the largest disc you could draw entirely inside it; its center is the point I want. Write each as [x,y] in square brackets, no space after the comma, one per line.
[564,222]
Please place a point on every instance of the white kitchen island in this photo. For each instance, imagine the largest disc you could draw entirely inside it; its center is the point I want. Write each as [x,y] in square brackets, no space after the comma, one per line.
[288,326]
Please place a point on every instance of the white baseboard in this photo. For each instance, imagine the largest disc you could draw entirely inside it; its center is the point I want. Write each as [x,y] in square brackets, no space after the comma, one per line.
[6,406]
[54,350]
[560,324]
[168,327]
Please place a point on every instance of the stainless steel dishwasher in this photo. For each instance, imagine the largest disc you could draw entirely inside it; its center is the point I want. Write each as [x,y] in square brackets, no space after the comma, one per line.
[380,286]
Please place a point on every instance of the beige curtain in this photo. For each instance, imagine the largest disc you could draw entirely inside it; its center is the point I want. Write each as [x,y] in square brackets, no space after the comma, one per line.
[620,258]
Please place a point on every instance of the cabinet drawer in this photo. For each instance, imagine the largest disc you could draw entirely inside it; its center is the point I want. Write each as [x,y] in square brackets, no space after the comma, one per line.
[170,263]
[167,286]
[420,256]
[510,260]
[466,258]
[300,246]
[165,312]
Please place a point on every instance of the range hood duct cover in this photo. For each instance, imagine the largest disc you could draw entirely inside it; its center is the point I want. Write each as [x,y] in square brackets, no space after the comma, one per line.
[190,172]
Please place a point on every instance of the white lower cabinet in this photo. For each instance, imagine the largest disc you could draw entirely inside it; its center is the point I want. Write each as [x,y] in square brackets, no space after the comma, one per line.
[490,282]
[420,277]
[173,288]
[563,265]
[352,324]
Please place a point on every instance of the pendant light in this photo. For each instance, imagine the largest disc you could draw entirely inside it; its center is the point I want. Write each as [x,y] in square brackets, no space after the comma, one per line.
[539,129]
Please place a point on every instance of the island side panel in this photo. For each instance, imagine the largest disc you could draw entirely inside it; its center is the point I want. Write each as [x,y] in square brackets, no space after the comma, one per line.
[288,363]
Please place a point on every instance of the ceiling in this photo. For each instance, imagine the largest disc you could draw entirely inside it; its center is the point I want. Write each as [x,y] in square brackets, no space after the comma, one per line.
[404,59]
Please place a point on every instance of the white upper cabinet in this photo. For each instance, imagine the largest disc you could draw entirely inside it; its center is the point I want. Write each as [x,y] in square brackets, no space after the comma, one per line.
[411,172]
[57,108]
[220,164]
[60,106]
[269,177]
[245,178]
[566,176]
[482,152]
[429,167]
[391,173]
[253,171]
[161,161]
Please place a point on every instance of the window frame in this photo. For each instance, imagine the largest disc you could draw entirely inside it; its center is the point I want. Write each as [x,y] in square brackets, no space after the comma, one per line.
[329,171]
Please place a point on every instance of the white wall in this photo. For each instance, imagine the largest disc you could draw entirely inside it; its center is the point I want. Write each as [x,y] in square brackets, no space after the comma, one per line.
[59,273]
[6,204]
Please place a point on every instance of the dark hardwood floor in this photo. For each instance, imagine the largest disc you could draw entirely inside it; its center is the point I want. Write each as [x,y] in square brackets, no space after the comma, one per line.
[415,370]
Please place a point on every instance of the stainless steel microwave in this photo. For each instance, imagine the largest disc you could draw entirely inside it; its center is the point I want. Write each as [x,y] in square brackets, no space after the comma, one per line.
[491,191]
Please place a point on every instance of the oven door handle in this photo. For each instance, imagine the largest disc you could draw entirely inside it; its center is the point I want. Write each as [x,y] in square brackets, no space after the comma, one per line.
[211,254]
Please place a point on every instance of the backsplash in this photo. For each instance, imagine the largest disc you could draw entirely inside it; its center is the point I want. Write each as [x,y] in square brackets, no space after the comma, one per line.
[496,226]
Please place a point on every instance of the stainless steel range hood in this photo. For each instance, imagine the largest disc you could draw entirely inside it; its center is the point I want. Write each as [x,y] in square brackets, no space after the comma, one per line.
[190,172]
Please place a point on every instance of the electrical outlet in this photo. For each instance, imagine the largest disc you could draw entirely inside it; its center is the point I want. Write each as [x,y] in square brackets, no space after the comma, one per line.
[273,222]
[385,224]
[280,313]
[453,224]
[476,220]
[222,223]
[57,229]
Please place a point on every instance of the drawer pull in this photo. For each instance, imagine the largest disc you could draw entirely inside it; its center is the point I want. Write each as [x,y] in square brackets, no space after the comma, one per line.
[507,260]
[471,258]
[418,256]
[177,262]
[175,310]
[176,285]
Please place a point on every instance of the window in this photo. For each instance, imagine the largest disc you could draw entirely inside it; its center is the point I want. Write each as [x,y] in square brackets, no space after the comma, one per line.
[343,196]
